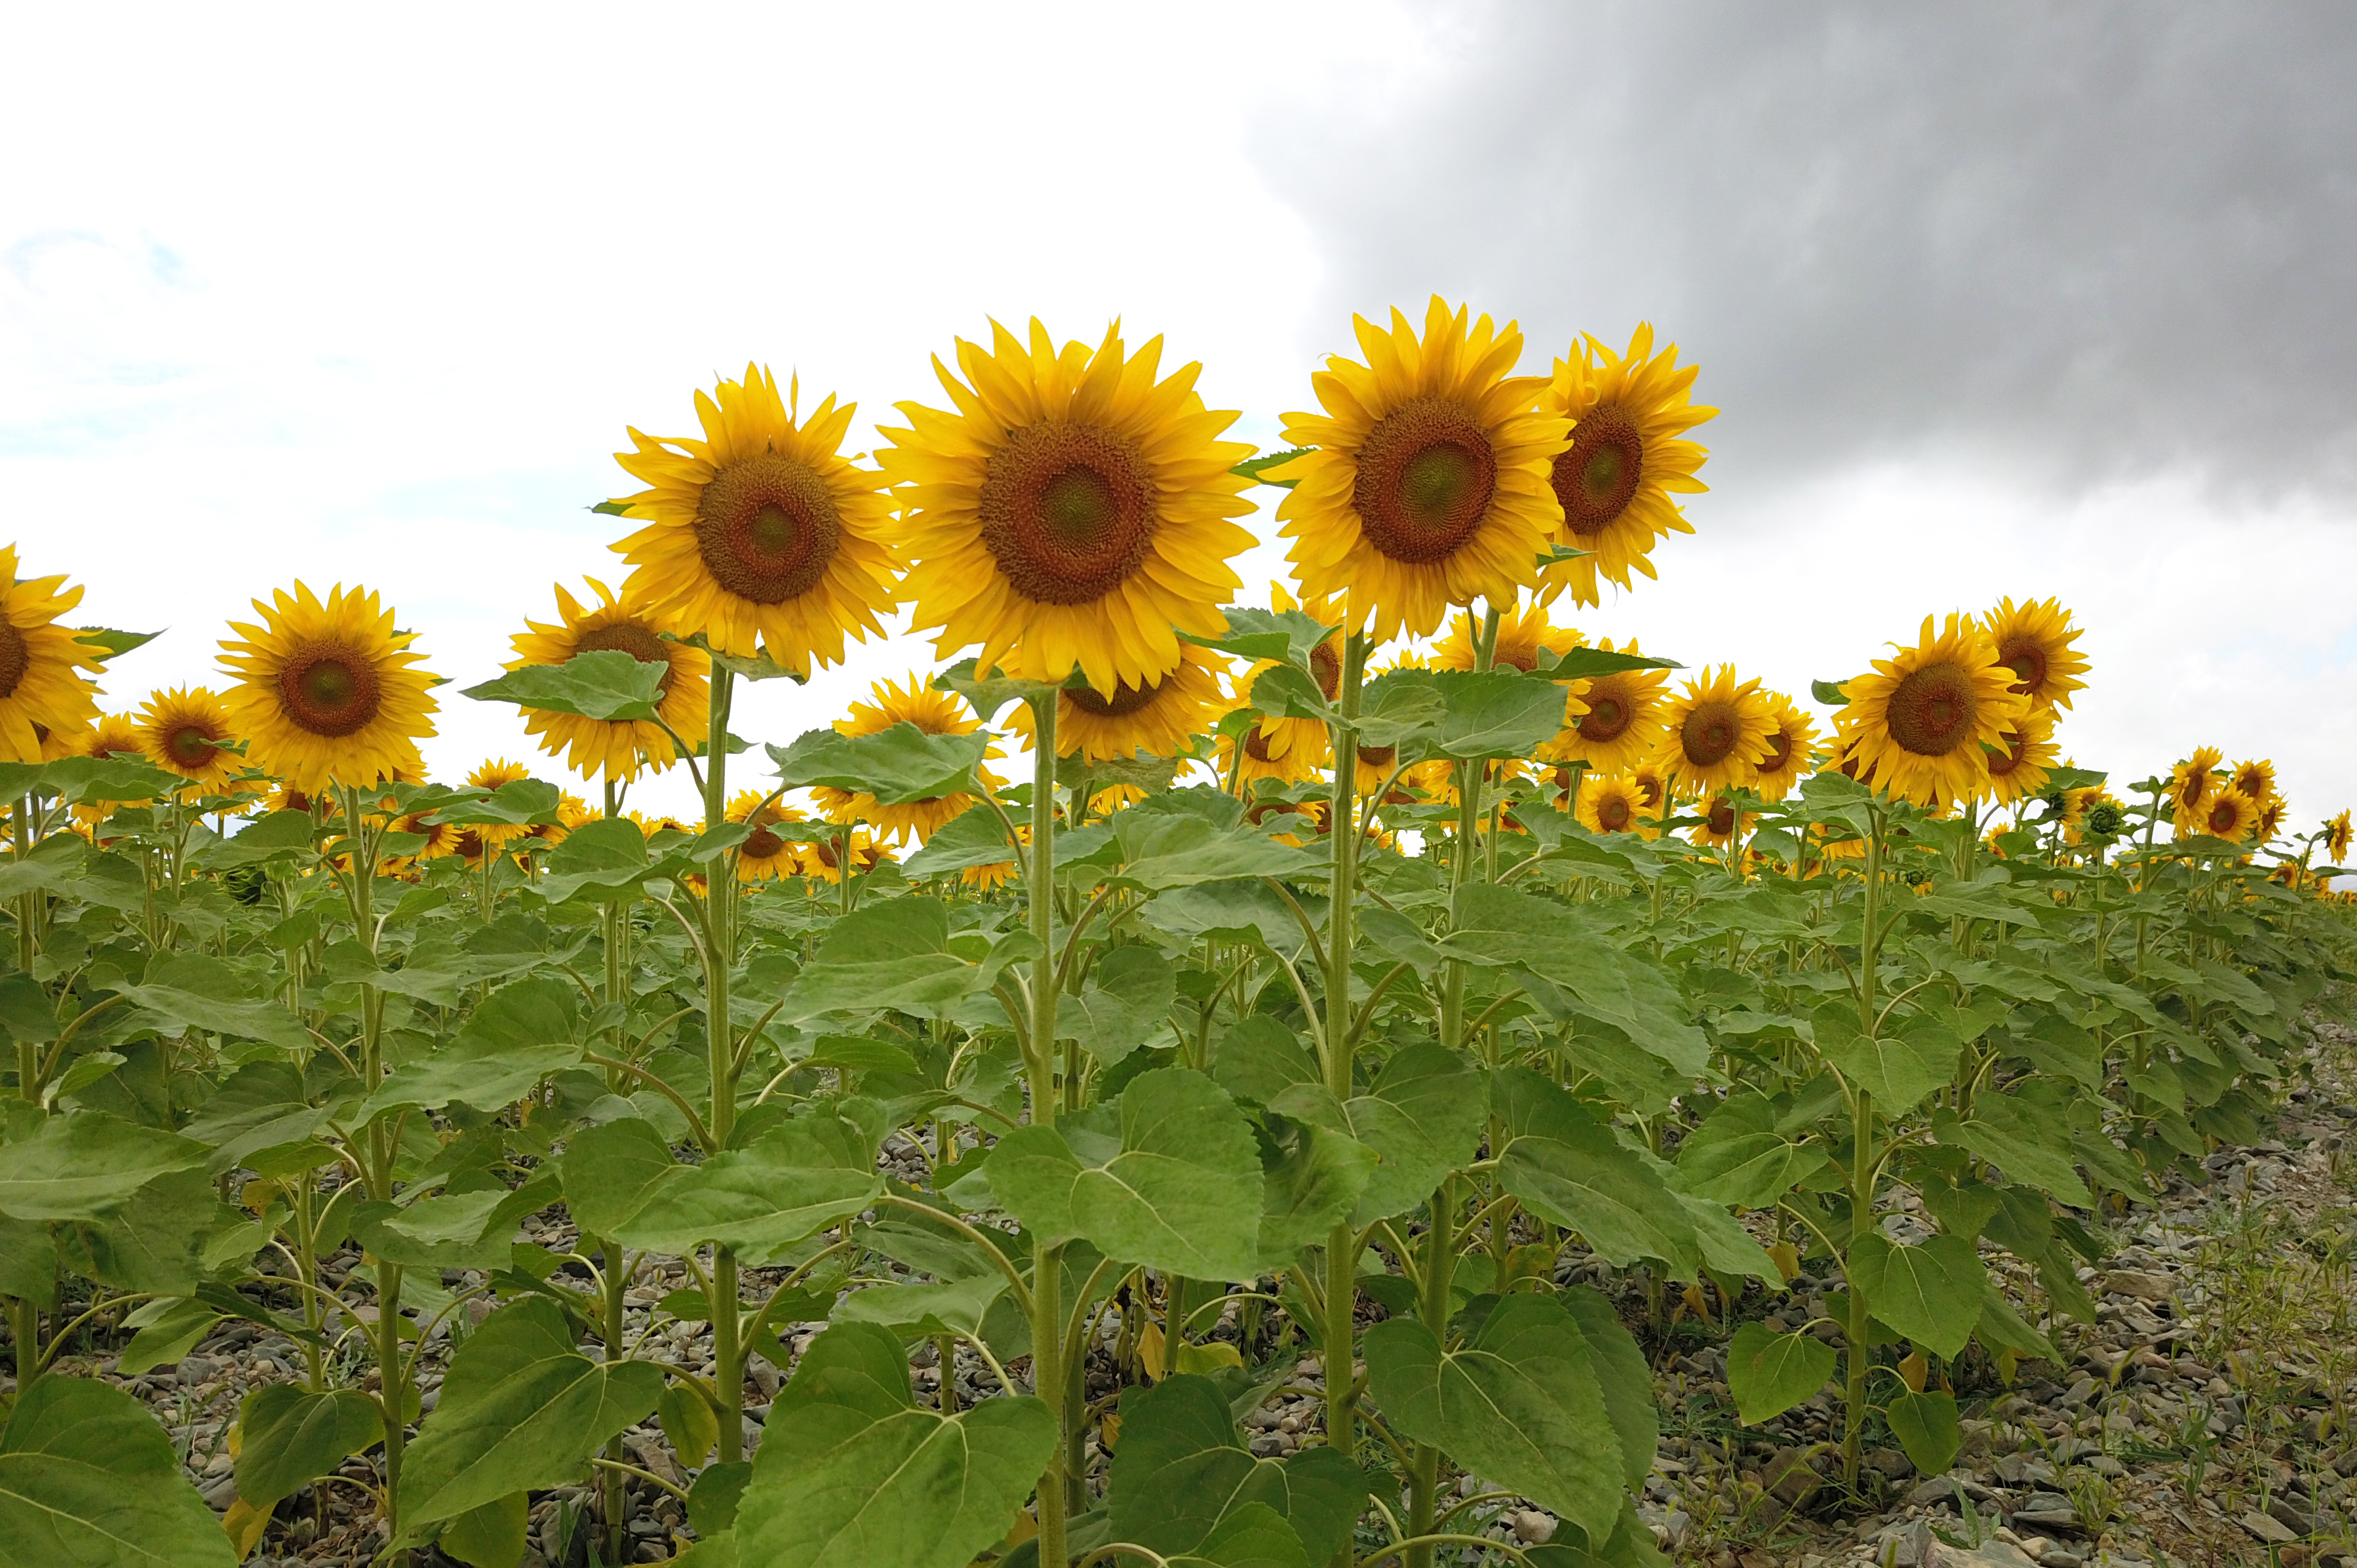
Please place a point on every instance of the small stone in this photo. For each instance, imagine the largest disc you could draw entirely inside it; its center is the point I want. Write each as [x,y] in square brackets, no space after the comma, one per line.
[1532,1527]
[2267,1528]
[1988,1554]
[2139,1285]
[1938,1490]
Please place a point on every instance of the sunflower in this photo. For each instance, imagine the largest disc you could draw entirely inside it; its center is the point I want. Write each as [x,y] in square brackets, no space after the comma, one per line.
[2228,815]
[1716,731]
[933,713]
[326,693]
[762,529]
[285,798]
[618,747]
[1071,512]
[44,698]
[112,735]
[572,810]
[1157,718]
[1426,481]
[488,777]
[1922,721]
[2256,778]
[1521,636]
[650,826]
[186,731]
[1615,805]
[821,858]
[997,874]
[1615,480]
[1721,824]
[2336,838]
[2272,811]
[1276,818]
[2037,642]
[2020,762]
[1623,725]
[1791,740]
[765,855]
[1652,788]
[2191,784]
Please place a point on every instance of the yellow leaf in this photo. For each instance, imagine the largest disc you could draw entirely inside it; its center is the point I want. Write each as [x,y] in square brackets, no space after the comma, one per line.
[1024,1529]
[255,1195]
[1787,1259]
[1149,1350]
[1697,1302]
[1108,1433]
[243,1524]
[2008,1362]
[1204,1359]
[235,1438]
[1912,1370]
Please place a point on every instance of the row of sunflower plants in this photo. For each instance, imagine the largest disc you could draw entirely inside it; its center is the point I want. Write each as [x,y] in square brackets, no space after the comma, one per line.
[1294,1003]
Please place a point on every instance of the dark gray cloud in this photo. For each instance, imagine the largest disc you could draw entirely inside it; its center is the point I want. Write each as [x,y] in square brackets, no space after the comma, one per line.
[2091,242]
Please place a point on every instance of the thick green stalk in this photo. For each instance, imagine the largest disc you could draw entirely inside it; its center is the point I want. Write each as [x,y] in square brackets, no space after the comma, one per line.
[720,1057]
[1861,1189]
[1440,1257]
[1048,1369]
[1341,833]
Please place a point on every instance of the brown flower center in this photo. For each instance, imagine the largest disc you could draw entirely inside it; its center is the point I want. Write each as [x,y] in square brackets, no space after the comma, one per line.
[191,746]
[1596,478]
[1381,756]
[1609,714]
[1780,751]
[1425,476]
[1125,699]
[1326,665]
[1933,710]
[1650,787]
[2197,782]
[2225,816]
[470,844]
[1613,814]
[629,637]
[764,845]
[1720,821]
[329,689]
[1257,745]
[1068,512]
[2026,659]
[15,659]
[1710,732]
[767,529]
[2015,752]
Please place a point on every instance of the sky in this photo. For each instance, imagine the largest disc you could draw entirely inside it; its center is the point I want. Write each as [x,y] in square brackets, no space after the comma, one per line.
[2009,300]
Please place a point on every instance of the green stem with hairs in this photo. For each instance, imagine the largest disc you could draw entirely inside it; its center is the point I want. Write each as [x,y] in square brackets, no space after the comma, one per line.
[1047,1368]
[1341,1258]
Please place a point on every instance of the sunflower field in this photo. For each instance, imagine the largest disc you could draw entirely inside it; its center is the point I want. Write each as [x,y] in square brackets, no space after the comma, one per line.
[947,1144]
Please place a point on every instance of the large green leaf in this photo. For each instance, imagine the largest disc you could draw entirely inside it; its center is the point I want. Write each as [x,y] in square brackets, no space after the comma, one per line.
[1927,1427]
[1422,1115]
[289,1437]
[1581,972]
[1172,1180]
[86,1164]
[853,1473]
[1518,1404]
[1932,1293]
[794,1179]
[1566,1167]
[1181,1472]
[521,1034]
[1313,1179]
[197,991]
[258,1107]
[1126,1003]
[88,1478]
[970,839]
[273,836]
[1737,1158]
[2029,1141]
[1623,1373]
[1160,850]
[456,1230]
[603,859]
[898,765]
[521,1407]
[1290,637]
[951,1307]
[1462,713]
[605,683]
[1899,1066]
[893,955]
[1769,1373]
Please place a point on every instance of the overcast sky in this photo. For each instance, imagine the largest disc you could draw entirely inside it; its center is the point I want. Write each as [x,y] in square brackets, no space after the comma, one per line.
[2013,299]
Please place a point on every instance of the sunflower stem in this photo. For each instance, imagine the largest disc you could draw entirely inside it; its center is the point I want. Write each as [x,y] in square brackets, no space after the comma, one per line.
[1341,833]
[1047,1370]
[719,1040]
[1861,1190]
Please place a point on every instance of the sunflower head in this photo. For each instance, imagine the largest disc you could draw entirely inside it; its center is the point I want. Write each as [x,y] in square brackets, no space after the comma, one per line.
[2191,784]
[1425,481]
[762,530]
[931,711]
[1157,718]
[1721,823]
[2337,833]
[821,858]
[186,731]
[2256,778]
[773,850]
[2227,814]
[1070,510]
[44,697]
[1627,458]
[2037,642]
[1624,724]
[1791,741]
[441,839]
[326,691]
[1716,731]
[1522,635]
[1616,805]
[2024,756]
[628,624]
[490,775]
[1921,724]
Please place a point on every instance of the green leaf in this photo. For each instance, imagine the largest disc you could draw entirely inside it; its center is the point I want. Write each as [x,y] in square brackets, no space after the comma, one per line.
[1312,1181]
[195,991]
[1578,972]
[606,683]
[988,693]
[85,1165]
[1126,1003]
[87,781]
[688,1424]
[163,1338]
[890,955]
[1566,1167]
[458,1230]
[853,1473]
[1258,467]
[1422,1115]
[87,1478]
[29,1260]
[1289,637]
[491,1536]
[2024,1140]
[1624,1375]
[1582,663]
[1259,1058]
[794,1179]
[952,1307]
[606,860]
[1737,1158]
[752,667]
[1463,714]
[970,839]
[110,643]
[521,1034]
[1830,692]
[1161,851]
[277,835]
[258,1107]
[290,1437]
[1926,1427]
[1518,1404]
[896,765]
[1173,1182]
[1899,1068]
[1182,1477]
[521,1408]
[1769,1373]
[1931,1292]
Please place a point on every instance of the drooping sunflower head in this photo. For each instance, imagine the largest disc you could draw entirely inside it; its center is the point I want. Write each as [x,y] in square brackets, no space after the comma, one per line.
[1626,459]
[1652,787]
[821,858]
[1070,510]
[2228,815]
[326,693]
[441,839]
[628,624]
[186,731]
[1721,824]
[2256,778]
[1616,804]
[767,854]
[997,874]
[2037,642]
[2191,784]
[1157,717]
[1921,723]
[2271,812]
[285,798]
[2019,763]
[114,735]
[1624,724]
[45,699]
[1716,731]
[1426,480]
[895,702]
[763,530]
[2337,834]
[1791,741]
